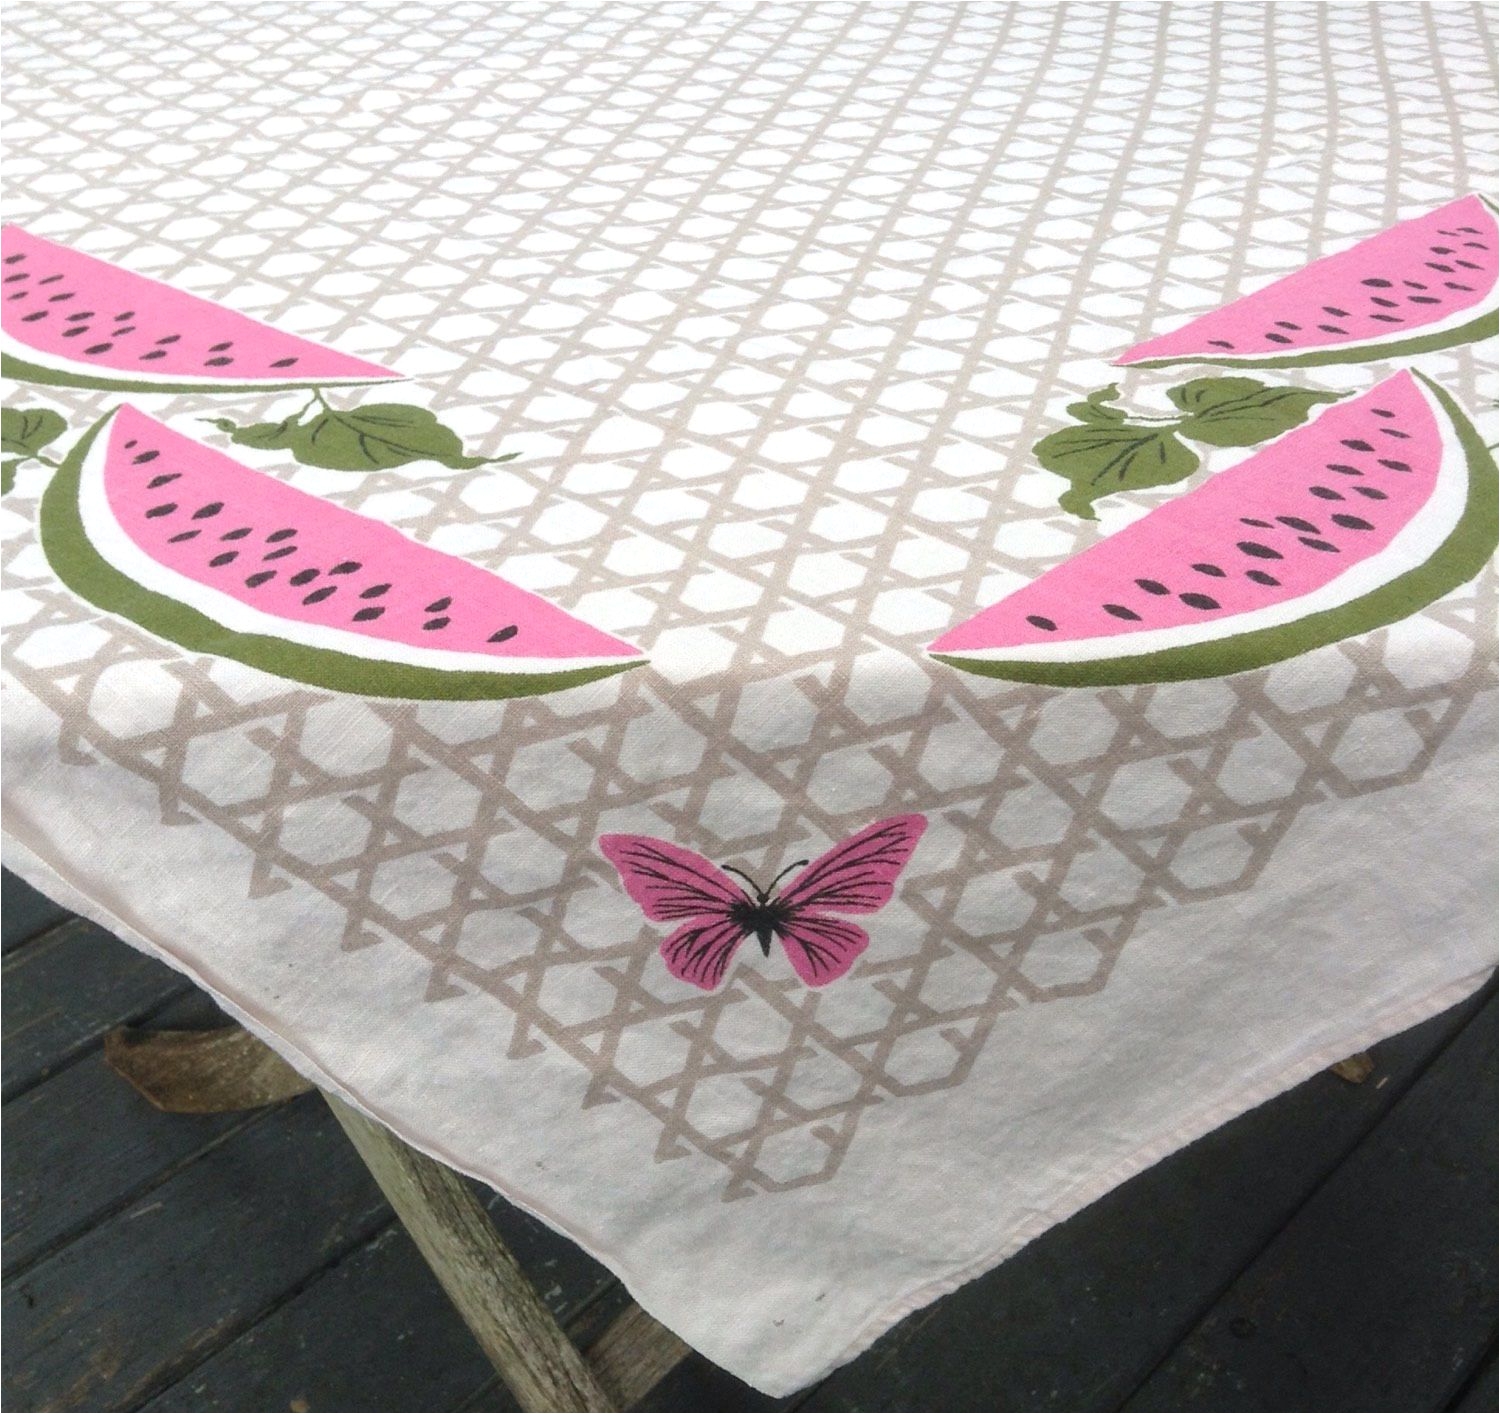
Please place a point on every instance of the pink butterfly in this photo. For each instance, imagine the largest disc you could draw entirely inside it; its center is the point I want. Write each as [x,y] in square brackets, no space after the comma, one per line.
[857,876]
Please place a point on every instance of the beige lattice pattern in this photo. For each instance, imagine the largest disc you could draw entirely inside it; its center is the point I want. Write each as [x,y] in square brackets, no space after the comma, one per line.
[772,301]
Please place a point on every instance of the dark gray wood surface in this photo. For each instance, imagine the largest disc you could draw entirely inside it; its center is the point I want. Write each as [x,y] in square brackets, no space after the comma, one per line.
[1333,1249]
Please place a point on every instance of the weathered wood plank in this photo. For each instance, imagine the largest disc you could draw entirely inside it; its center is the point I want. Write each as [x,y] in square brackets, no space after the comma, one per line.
[377,1332]
[1381,1291]
[532,1353]
[82,1144]
[1079,1317]
[65,990]
[128,1308]
[633,1354]
[24,913]
[1481,1395]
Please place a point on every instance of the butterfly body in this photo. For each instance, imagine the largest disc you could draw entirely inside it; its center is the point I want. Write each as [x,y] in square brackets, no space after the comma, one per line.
[671,884]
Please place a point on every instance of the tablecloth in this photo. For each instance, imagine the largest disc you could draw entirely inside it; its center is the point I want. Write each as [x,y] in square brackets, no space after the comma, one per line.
[797,971]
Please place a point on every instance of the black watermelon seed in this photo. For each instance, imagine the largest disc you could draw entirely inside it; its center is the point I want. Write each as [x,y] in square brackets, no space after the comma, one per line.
[276,535]
[11,259]
[49,280]
[1332,329]
[150,456]
[1213,570]
[1199,601]
[216,362]
[374,591]
[1212,343]
[58,299]
[1394,465]
[122,331]
[345,567]
[162,510]
[1036,620]
[1376,284]
[130,444]
[1258,524]
[129,314]
[170,339]
[186,535]
[318,595]
[1371,492]
[32,318]
[278,554]
[1468,264]
[227,558]
[209,511]
[1121,612]
[436,623]
[1385,303]
[283,363]
[438,605]
[1423,299]
[1396,432]
[219,348]
[1441,249]
[1278,338]
[1259,551]
[1261,577]
[1152,586]
[1382,412]
[99,348]
[79,318]
[1344,469]
[1352,522]
[365,615]
[1355,445]
[259,578]
[1297,523]
[1435,265]
[1326,493]
[155,353]
[1388,318]
[239,534]
[1317,544]
[1414,284]
[510,630]
[304,577]
[162,480]
[74,333]
[1454,285]
[1337,313]
[1287,324]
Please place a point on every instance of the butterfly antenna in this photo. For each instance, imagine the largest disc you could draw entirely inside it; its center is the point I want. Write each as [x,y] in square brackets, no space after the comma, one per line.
[801,863]
[730,869]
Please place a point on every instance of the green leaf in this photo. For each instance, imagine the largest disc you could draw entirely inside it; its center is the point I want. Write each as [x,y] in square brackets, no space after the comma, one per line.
[371,438]
[8,475]
[1096,408]
[25,431]
[1100,459]
[1241,412]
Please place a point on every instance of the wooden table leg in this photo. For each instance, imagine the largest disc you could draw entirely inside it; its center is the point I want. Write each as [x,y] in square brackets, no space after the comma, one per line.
[531,1352]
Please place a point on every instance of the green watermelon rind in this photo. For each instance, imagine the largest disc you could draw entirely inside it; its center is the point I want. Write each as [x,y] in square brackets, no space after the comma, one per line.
[22,370]
[81,567]
[1486,326]
[1455,562]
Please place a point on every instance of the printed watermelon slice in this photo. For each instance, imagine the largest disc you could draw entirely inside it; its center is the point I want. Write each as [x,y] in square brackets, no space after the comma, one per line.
[1426,284]
[70,320]
[1361,517]
[219,558]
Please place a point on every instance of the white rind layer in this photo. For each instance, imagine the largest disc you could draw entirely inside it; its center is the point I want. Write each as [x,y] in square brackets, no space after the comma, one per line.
[12,347]
[1413,545]
[115,546]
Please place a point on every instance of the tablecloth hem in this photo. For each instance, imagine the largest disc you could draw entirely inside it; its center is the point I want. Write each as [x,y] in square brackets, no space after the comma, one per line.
[25,861]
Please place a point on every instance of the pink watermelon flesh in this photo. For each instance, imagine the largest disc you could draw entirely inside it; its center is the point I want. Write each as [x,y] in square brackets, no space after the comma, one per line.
[1274,527]
[304,560]
[63,304]
[1401,281]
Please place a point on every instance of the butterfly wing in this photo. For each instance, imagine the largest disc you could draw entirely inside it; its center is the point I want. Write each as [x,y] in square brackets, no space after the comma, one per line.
[667,881]
[822,948]
[700,952]
[859,875]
